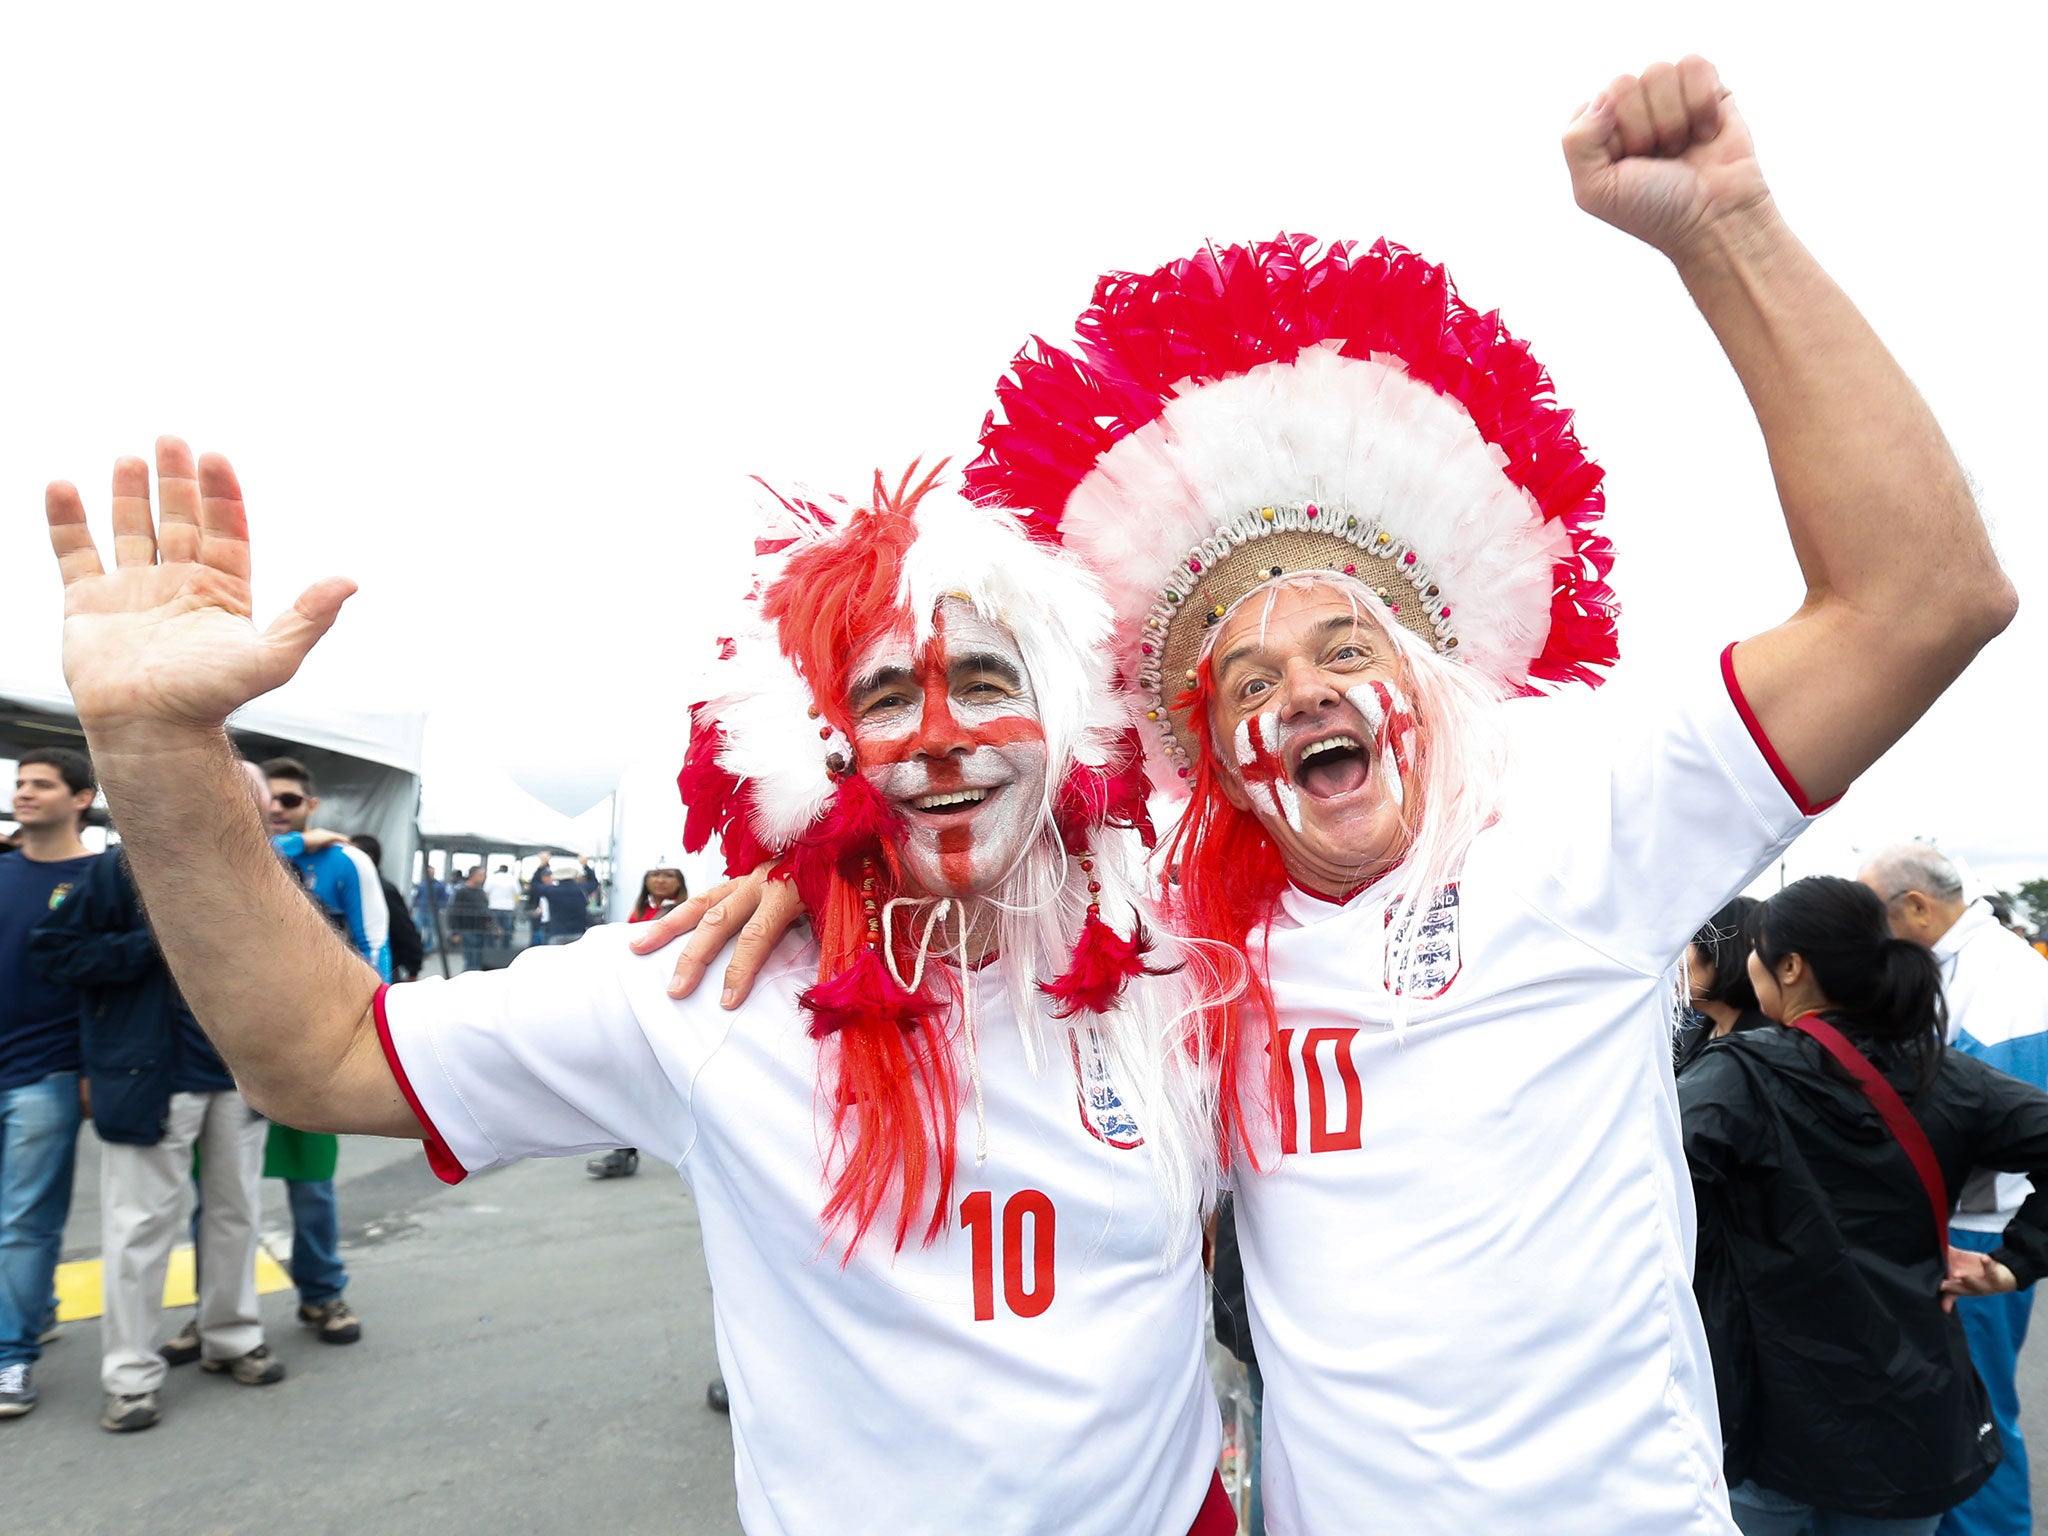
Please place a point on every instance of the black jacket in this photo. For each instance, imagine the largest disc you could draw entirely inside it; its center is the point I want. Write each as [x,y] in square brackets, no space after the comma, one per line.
[408,954]
[1698,1033]
[469,912]
[99,942]
[1841,1381]
[567,912]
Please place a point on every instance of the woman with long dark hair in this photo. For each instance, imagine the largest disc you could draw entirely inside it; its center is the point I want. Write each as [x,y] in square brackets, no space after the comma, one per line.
[1823,1155]
[1718,991]
[660,889]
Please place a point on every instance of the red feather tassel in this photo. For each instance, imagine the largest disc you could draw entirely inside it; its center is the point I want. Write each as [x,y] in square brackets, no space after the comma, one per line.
[864,993]
[1104,963]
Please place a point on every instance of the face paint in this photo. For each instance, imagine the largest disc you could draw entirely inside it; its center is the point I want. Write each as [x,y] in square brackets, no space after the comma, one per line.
[949,734]
[1258,739]
[1392,723]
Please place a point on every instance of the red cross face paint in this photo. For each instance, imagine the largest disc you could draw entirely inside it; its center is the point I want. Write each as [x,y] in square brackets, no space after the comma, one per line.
[948,733]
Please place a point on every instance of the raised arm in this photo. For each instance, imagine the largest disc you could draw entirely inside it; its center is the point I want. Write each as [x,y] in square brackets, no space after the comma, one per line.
[159,652]
[1902,587]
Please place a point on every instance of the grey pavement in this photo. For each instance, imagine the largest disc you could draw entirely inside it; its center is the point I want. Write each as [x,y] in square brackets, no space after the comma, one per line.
[535,1350]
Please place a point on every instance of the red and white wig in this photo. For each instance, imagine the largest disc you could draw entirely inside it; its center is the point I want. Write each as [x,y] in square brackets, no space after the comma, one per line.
[1273,413]
[772,771]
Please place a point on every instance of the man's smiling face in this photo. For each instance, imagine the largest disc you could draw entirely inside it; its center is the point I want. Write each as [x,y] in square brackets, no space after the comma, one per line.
[948,732]
[1305,689]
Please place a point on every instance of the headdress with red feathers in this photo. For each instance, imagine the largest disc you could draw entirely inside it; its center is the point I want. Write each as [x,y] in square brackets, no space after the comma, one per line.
[1273,408]
[1268,410]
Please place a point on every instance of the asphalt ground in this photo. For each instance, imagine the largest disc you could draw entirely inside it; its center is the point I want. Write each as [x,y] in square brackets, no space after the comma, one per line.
[535,1350]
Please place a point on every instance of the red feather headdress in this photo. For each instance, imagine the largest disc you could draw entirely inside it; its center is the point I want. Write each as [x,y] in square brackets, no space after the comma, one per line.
[1271,407]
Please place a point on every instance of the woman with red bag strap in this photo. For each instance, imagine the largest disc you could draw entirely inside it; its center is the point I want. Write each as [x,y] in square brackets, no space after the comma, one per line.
[1823,1155]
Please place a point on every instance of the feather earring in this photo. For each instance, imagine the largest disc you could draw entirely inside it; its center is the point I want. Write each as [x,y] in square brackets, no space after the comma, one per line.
[1103,962]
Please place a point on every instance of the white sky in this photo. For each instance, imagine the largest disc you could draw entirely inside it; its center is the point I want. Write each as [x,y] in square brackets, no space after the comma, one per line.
[496,308]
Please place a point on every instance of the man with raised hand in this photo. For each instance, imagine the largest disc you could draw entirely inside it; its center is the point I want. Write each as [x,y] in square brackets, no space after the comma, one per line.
[1341,519]
[949,1159]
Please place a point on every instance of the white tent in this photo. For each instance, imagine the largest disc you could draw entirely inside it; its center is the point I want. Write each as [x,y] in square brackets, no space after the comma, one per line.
[468,805]
[366,767]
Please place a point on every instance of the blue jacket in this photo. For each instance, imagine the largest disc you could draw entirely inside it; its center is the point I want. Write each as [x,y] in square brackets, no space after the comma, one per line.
[335,877]
[130,1021]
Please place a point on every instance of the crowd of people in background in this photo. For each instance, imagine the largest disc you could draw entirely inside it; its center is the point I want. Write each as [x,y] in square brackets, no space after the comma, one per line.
[1862,1093]
[476,913]
[92,1027]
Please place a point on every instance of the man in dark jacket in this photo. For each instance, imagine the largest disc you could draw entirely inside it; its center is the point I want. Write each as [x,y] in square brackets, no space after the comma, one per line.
[469,919]
[158,1091]
[568,912]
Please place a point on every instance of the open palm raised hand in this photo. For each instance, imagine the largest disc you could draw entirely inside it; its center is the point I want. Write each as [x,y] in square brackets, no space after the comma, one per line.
[165,638]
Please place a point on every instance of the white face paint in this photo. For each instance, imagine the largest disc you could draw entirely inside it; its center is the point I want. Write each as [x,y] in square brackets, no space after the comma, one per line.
[948,733]
[1259,758]
[1397,747]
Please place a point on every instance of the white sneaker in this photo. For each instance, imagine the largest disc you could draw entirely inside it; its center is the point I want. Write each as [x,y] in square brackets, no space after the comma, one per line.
[17,1393]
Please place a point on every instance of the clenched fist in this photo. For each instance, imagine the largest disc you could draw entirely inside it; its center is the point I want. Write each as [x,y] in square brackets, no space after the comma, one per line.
[1665,156]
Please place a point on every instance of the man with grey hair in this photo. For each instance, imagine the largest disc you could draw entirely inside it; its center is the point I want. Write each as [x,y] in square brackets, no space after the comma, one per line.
[1997,993]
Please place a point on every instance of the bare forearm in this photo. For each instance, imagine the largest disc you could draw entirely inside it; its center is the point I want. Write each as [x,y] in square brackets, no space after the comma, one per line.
[1863,471]
[283,998]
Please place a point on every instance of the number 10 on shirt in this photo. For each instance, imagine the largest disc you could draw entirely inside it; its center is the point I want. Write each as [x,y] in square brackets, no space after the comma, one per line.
[977,1215]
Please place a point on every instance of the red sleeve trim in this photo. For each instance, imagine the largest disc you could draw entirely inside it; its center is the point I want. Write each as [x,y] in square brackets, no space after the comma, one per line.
[446,1165]
[1763,743]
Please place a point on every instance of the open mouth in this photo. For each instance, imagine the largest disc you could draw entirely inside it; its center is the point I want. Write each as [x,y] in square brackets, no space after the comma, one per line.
[1331,767]
[952,802]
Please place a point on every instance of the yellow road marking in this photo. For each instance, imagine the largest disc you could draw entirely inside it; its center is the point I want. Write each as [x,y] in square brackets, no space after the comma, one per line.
[81,1292]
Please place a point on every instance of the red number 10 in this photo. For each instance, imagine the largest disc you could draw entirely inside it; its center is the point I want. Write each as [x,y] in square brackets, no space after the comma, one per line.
[977,1215]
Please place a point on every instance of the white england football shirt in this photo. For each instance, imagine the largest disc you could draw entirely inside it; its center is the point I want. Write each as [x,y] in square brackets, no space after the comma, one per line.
[1470,1278]
[1038,1369]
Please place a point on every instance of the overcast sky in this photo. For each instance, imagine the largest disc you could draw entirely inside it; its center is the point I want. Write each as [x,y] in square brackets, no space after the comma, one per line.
[497,308]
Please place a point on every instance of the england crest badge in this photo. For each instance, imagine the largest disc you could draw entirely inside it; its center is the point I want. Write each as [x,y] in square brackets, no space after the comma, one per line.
[1438,958]
[1102,1107]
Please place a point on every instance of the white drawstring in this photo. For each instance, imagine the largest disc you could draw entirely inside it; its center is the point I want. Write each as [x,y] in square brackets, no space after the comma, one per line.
[970,983]
[924,944]
[969,980]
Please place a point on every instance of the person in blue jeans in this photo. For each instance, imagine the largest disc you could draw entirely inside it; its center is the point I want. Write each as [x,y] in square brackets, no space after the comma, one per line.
[39,1103]
[344,882]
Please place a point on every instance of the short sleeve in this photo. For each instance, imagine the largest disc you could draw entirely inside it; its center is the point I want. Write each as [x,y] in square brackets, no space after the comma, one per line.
[1637,816]
[572,1048]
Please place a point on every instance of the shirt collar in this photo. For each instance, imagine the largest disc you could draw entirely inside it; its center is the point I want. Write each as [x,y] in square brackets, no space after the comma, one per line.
[1976,917]
[1304,907]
